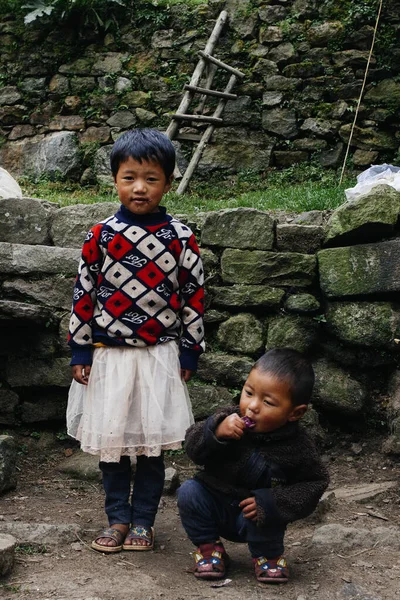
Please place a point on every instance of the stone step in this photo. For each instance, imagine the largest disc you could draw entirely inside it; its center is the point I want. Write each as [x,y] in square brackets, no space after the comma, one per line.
[7,553]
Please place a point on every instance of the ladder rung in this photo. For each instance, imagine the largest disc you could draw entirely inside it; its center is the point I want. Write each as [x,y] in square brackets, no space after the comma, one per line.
[221,64]
[200,90]
[200,118]
[189,137]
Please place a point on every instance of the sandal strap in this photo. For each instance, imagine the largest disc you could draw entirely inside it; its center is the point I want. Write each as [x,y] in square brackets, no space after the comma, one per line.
[274,567]
[210,554]
[112,533]
[139,532]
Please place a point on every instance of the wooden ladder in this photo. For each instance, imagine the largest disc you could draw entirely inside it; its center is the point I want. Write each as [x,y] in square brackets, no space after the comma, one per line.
[212,63]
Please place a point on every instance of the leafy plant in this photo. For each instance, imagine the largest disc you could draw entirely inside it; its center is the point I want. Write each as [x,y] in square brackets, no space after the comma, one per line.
[95,12]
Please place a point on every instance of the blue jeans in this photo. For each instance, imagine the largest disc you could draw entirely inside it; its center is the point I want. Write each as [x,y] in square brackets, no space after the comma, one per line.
[206,515]
[140,507]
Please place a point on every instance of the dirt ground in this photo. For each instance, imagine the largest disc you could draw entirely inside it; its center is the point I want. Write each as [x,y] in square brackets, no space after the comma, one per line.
[74,571]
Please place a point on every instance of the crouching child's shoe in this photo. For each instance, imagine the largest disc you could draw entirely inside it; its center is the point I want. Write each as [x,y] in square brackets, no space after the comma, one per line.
[271,570]
[211,561]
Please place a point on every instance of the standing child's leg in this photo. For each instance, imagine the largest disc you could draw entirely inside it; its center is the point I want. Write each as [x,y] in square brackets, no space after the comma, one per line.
[116,483]
[203,517]
[147,490]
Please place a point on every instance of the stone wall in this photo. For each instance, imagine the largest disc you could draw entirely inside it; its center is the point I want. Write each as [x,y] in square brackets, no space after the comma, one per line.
[325,284]
[66,93]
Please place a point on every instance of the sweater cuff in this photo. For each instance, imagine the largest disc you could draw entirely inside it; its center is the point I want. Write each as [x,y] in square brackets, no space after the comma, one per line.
[81,355]
[211,440]
[189,359]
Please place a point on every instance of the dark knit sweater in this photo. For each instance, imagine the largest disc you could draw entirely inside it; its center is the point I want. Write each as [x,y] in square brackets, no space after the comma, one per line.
[282,469]
[139,283]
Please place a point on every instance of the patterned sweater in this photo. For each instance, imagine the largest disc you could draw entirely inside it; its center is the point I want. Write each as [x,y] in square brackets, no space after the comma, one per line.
[281,469]
[139,283]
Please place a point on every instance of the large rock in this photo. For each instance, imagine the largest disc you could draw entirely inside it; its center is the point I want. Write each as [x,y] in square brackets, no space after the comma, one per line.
[392,444]
[101,165]
[224,369]
[39,372]
[242,333]
[9,310]
[210,265]
[257,267]
[54,155]
[365,269]
[81,465]
[347,538]
[293,237]
[375,324]
[8,403]
[281,121]
[386,92]
[235,149]
[299,333]
[44,411]
[310,422]
[272,14]
[230,228]
[23,259]
[320,127]
[366,219]
[335,389]
[41,534]
[360,357]
[8,544]
[368,138]
[23,339]
[9,95]
[70,224]
[206,399]
[241,296]
[54,292]
[364,491]
[302,304]
[25,220]
[322,33]
[8,459]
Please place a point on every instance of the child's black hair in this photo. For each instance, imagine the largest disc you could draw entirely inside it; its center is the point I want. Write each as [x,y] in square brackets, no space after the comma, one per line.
[143,144]
[293,367]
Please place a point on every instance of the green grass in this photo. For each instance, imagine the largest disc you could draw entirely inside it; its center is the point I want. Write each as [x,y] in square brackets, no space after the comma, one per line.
[297,189]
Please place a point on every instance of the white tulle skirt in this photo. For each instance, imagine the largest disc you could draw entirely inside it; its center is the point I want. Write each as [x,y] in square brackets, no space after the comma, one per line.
[135,403]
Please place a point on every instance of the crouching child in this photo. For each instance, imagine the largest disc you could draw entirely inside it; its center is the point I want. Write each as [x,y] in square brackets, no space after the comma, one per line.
[260,470]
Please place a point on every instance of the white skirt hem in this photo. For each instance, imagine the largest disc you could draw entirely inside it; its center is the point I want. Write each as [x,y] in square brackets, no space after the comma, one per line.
[135,403]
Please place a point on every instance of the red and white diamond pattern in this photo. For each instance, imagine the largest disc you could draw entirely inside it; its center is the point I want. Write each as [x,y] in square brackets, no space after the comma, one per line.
[138,300]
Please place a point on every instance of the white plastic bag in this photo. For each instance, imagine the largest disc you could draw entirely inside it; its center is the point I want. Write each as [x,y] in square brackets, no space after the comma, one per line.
[9,188]
[375,175]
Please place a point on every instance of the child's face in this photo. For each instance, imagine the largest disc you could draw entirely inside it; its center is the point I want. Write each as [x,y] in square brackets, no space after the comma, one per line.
[267,401]
[141,186]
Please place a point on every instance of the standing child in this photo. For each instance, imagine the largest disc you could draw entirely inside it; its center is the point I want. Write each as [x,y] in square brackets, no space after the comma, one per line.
[260,470]
[139,291]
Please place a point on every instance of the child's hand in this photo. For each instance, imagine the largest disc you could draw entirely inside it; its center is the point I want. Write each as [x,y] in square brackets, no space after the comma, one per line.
[81,373]
[232,428]
[186,374]
[249,508]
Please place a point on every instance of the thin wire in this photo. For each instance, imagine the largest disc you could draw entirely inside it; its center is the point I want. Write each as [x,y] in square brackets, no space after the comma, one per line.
[362,91]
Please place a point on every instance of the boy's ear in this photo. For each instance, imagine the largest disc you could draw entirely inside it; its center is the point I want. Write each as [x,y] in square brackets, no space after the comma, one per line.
[298,412]
[169,183]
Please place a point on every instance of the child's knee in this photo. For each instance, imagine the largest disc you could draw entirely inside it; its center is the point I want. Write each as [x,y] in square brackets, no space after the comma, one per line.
[187,494]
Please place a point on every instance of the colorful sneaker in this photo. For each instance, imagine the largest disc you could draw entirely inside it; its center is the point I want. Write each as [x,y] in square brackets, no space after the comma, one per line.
[273,570]
[211,561]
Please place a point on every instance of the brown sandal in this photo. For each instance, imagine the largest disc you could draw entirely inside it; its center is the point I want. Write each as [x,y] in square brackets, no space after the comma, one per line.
[211,561]
[139,532]
[113,534]
[271,570]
